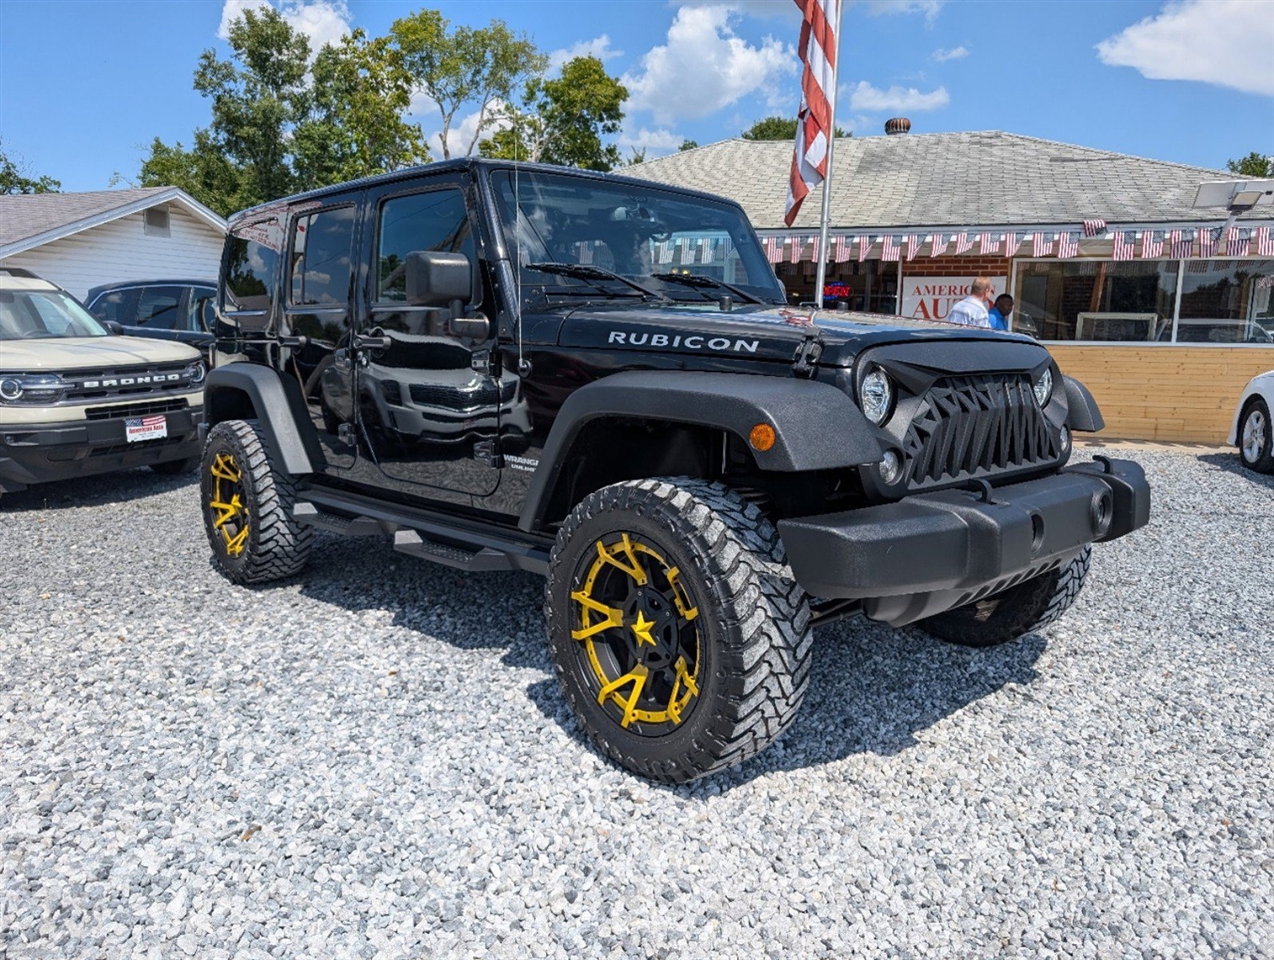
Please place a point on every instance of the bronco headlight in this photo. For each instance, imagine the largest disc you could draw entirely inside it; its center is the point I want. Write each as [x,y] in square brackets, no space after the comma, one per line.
[195,373]
[876,396]
[32,388]
[1043,387]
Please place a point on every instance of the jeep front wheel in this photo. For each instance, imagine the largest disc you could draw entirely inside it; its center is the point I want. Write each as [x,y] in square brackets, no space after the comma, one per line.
[247,507]
[679,636]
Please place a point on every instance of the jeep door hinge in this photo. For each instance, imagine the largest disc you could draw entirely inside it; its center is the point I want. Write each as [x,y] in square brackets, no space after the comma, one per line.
[346,433]
[488,452]
[805,363]
[485,362]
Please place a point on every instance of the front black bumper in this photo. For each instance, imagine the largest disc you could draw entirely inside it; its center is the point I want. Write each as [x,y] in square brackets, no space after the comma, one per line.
[42,452]
[931,552]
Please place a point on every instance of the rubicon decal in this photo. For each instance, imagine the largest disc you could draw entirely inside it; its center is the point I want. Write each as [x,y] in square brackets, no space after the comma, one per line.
[695,341]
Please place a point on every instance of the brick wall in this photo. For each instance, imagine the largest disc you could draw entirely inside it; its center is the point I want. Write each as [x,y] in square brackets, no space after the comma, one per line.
[957,267]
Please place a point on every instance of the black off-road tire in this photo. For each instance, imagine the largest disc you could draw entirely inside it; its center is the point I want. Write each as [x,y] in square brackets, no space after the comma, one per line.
[265,542]
[1019,610]
[176,468]
[1262,459]
[753,634]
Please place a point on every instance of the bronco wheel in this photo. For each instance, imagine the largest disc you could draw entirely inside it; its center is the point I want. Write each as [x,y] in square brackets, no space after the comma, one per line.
[680,639]
[1018,610]
[247,507]
[1256,437]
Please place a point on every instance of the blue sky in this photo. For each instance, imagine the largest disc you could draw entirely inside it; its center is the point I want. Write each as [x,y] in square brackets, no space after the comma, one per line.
[85,86]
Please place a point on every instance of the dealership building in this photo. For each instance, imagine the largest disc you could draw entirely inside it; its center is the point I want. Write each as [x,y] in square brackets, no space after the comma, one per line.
[1163,308]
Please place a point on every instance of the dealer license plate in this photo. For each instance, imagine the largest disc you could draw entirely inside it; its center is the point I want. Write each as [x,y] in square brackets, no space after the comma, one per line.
[145,428]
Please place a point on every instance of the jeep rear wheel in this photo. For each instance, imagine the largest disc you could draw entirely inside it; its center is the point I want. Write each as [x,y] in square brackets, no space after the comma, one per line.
[247,507]
[680,639]
[1019,610]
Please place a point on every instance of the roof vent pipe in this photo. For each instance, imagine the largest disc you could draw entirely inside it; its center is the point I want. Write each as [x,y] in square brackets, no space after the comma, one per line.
[897,125]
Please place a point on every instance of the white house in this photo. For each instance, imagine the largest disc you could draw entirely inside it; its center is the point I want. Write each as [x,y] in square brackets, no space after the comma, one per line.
[80,240]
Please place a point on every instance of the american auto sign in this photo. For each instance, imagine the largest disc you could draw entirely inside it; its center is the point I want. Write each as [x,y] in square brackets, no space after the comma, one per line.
[931,298]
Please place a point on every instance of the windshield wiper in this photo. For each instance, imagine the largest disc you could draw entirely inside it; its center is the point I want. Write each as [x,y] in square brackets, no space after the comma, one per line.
[703,280]
[583,271]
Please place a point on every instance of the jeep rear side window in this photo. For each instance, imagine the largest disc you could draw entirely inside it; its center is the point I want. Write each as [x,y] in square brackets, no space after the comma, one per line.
[436,220]
[251,264]
[321,257]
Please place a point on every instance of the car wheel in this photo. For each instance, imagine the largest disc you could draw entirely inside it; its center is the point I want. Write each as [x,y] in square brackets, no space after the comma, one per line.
[1255,437]
[174,468]
[680,639]
[1019,610]
[247,507]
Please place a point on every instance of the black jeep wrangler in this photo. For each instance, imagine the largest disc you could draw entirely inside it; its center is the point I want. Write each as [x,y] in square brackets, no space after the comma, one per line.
[518,367]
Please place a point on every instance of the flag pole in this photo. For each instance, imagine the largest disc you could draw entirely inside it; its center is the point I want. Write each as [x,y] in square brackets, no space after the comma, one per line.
[821,273]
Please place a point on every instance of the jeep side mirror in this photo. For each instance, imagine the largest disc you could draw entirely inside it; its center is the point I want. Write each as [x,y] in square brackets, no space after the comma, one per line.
[437,279]
[114,328]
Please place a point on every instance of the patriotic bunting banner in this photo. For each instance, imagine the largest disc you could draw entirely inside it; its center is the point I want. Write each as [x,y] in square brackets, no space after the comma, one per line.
[1041,246]
[1067,246]
[843,249]
[889,249]
[1180,244]
[707,250]
[864,244]
[818,96]
[1207,242]
[665,250]
[1151,246]
[964,243]
[1264,238]
[1125,241]
[794,255]
[987,245]
[814,248]
[1010,244]
[772,252]
[939,246]
[1094,228]
[913,246]
[585,252]
[1238,243]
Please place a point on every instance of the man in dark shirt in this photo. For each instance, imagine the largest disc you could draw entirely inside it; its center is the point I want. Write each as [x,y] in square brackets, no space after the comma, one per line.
[998,315]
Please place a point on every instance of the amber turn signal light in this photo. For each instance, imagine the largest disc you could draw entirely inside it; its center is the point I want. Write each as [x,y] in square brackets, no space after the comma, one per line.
[762,437]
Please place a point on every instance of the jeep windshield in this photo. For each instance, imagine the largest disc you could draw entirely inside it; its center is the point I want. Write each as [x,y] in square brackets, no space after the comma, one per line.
[680,247]
[43,314]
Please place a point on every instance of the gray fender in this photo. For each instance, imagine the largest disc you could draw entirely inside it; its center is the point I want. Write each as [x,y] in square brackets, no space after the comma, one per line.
[277,403]
[817,426]
[1082,413]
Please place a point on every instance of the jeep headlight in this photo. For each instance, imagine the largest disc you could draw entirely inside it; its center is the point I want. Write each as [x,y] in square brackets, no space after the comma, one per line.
[1043,387]
[32,388]
[195,373]
[876,396]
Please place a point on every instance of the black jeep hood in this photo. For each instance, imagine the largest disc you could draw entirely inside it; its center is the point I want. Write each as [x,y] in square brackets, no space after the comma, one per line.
[760,332]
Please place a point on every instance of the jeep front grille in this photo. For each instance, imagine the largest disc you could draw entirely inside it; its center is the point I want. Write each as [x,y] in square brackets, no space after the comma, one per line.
[481,392]
[970,427]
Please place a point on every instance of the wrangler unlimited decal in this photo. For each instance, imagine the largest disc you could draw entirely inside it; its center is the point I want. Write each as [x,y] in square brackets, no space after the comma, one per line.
[693,342]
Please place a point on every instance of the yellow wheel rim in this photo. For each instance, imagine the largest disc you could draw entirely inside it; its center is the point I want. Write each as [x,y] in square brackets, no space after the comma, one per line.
[638,636]
[227,510]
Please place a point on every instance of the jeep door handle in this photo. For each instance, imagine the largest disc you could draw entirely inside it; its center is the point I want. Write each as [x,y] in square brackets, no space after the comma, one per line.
[372,343]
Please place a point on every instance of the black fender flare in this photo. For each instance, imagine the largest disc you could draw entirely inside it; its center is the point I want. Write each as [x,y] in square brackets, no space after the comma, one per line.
[1082,413]
[817,426]
[278,405]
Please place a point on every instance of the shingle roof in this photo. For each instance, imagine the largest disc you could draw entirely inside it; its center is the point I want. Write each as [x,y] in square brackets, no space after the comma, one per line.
[945,180]
[26,217]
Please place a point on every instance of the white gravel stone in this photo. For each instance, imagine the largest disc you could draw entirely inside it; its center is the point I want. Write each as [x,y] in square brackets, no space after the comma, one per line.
[374,760]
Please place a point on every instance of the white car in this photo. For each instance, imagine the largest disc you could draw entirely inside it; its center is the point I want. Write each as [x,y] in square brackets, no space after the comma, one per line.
[1251,432]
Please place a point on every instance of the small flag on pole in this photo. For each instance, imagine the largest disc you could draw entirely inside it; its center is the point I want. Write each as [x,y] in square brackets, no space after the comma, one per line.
[1207,242]
[1067,246]
[889,249]
[913,245]
[1094,228]
[1180,243]
[1151,246]
[818,96]
[964,243]
[1264,238]
[1125,244]
[939,245]
[1041,246]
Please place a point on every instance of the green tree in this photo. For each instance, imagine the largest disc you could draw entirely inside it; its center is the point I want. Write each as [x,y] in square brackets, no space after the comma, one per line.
[1253,165]
[464,66]
[688,144]
[14,178]
[778,128]
[203,171]
[563,120]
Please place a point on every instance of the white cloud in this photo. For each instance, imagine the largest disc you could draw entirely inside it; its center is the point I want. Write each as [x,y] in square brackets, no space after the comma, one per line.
[598,47]
[322,21]
[929,8]
[423,108]
[656,143]
[704,67]
[1224,42]
[869,99]
[955,53]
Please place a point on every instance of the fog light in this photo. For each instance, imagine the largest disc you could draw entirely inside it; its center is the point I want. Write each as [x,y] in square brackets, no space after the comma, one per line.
[890,468]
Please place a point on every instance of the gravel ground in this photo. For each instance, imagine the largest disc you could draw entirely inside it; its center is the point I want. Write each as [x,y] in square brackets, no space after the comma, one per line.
[375,762]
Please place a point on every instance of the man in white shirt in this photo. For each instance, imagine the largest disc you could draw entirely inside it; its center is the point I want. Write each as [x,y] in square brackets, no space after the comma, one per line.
[972,310]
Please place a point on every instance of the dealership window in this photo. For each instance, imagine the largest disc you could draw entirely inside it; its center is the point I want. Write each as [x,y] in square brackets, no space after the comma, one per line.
[870,286]
[1096,300]
[1227,301]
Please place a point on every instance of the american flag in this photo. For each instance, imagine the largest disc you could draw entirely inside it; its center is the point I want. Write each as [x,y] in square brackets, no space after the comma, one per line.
[1010,244]
[1151,246]
[987,245]
[773,251]
[1093,228]
[889,249]
[154,421]
[939,246]
[665,250]
[707,250]
[864,244]
[1180,243]
[1238,243]
[964,243]
[1041,245]
[913,245]
[1207,242]
[814,248]
[1067,246]
[794,254]
[844,248]
[1264,238]
[586,252]
[1125,244]
[818,98]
